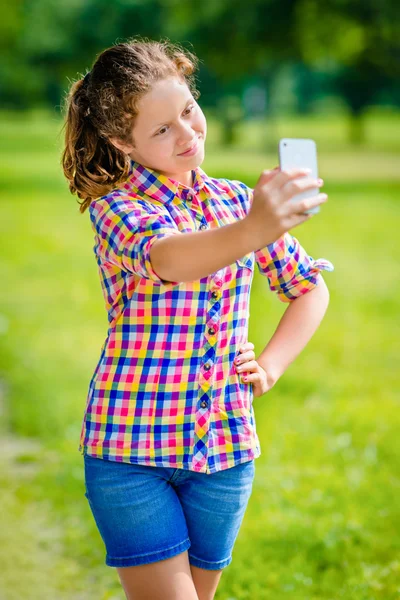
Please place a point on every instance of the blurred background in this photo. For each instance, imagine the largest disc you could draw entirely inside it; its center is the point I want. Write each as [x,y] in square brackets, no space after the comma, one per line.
[324,517]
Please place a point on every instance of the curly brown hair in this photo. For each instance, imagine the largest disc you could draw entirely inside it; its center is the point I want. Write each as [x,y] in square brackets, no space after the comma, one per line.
[103,105]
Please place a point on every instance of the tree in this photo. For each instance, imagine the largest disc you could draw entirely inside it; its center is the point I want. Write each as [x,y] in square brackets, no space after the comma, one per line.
[358,43]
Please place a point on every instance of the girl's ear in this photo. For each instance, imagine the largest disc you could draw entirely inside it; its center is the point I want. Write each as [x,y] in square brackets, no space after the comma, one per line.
[121,145]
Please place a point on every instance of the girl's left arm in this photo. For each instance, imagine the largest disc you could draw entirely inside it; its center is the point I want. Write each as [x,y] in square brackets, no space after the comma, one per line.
[296,327]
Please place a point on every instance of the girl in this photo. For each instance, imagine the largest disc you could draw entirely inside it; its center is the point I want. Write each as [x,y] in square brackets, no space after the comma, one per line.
[169,434]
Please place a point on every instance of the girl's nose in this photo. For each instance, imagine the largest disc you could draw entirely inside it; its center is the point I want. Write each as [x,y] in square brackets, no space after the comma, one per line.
[187,134]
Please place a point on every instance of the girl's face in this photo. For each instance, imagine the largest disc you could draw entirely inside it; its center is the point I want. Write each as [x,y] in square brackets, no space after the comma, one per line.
[168,123]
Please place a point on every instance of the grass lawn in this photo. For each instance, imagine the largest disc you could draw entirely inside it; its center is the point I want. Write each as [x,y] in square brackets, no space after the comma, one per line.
[324,516]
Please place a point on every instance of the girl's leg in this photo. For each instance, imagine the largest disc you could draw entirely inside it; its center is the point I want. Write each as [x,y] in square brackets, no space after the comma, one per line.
[206,582]
[140,519]
[168,579]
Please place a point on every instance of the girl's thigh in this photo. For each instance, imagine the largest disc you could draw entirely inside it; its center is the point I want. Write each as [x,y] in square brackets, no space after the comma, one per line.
[214,507]
[168,579]
[137,512]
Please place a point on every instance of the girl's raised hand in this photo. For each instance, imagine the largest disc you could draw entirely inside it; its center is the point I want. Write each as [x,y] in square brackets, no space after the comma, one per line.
[272,211]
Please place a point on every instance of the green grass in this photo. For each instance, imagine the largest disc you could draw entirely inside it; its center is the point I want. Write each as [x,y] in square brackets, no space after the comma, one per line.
[323,519]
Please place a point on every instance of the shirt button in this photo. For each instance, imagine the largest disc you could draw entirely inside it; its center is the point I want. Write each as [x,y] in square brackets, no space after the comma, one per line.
[204,404]
[215,295]
[203,226]
[207,366]
[211,331]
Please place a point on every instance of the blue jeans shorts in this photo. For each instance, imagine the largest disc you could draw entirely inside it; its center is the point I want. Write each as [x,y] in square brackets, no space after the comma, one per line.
[145,513]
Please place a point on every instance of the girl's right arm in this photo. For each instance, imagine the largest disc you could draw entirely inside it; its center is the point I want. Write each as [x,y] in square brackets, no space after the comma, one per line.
[192,256]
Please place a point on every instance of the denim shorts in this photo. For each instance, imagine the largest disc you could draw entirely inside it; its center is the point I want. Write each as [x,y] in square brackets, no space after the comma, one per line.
[146,513]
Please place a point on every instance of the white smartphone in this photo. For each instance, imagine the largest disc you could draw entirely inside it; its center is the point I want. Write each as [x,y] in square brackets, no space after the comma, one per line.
[298,152]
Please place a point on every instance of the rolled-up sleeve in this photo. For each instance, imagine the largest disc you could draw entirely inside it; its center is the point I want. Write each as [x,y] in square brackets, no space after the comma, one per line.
[125,232]
[290,270]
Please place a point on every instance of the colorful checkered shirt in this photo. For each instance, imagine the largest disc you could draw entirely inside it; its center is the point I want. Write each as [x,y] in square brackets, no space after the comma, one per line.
[165,391]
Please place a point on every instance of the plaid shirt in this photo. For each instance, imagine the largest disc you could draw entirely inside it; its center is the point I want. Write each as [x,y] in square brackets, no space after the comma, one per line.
[165,391]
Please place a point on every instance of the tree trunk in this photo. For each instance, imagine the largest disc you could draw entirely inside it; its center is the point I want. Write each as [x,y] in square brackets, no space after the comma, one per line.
[357,128]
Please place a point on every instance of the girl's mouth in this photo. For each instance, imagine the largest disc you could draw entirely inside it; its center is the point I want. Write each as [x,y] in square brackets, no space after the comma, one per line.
[192,150]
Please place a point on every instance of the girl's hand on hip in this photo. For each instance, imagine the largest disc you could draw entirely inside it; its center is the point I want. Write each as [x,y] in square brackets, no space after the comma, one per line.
[251,372]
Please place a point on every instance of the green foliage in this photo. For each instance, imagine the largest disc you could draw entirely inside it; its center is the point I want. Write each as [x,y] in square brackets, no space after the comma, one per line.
[348,49]
[323,517]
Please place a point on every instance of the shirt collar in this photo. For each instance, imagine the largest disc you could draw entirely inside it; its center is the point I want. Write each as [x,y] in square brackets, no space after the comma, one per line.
[158,186]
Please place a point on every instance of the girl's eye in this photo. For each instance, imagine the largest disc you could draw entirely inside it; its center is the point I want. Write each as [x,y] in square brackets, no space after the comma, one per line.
[189,108]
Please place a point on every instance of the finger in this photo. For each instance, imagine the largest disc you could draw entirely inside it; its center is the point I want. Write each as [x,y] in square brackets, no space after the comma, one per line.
[247,362]
[298,185]
[288,174]
[250,377]
[247,346]
[299,208]
[297,219]
[245,356]
[252,365]
[267,175]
